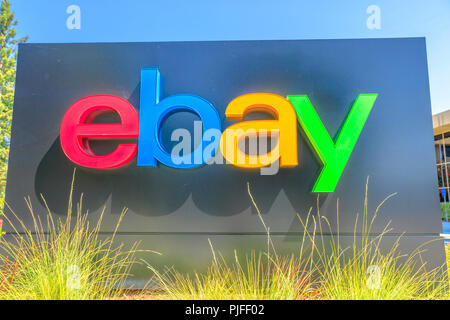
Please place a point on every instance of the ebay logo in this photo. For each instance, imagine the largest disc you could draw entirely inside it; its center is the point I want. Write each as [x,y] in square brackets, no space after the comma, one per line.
[212,144]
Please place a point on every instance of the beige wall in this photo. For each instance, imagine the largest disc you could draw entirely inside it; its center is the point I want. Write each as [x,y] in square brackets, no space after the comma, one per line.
[441,122]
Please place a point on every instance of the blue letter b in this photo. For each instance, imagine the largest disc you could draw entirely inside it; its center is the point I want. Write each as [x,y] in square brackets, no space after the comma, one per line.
[152,114]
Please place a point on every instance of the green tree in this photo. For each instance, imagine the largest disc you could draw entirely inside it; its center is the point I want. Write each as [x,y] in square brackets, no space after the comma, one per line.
[8,55]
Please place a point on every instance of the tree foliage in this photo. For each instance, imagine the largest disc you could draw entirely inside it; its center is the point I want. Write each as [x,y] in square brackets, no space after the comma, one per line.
[8,55]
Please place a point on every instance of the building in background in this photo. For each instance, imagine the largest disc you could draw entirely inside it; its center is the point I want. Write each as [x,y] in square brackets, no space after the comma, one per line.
[441,129]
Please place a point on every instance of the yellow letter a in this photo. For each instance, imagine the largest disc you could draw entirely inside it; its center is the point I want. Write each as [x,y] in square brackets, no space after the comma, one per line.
[284,126]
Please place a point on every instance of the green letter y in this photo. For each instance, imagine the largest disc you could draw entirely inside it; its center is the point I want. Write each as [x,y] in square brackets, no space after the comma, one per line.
[334,155]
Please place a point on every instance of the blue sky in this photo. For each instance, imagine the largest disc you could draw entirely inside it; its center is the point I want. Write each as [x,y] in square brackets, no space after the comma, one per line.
[175,20]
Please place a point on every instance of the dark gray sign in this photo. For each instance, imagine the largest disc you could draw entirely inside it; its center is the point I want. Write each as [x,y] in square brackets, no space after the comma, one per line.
[175,211]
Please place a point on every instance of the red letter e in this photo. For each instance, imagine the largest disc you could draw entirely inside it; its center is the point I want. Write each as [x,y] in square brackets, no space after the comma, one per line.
[76,129]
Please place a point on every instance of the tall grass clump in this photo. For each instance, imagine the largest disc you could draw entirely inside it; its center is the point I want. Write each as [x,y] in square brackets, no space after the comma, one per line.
[447,258]
[368,265]
[257,276]
[363,270]
[63,258]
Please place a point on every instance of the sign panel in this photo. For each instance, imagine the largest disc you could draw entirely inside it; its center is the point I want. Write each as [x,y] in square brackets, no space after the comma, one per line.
[170,131]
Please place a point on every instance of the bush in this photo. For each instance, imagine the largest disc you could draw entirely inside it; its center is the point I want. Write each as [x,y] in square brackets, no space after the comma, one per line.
[63,259]
[328,271]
